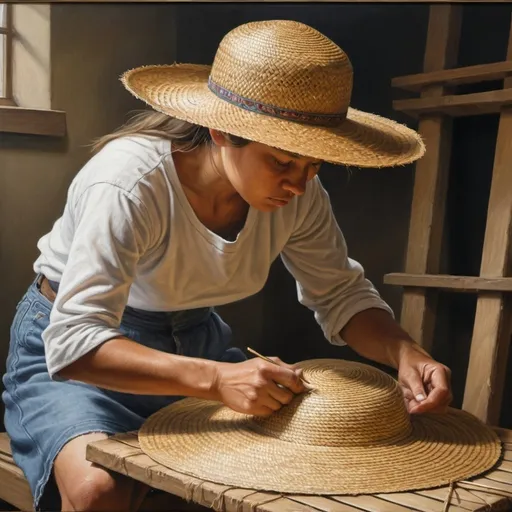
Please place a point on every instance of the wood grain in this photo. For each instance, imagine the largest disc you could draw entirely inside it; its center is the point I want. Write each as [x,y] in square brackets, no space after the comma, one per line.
[492,327]
[448,282]
[455,77]
[431,180]
[457,105]
[32,121]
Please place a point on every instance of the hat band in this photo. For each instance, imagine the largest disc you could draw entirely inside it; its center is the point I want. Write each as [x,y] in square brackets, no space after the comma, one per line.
[318,119]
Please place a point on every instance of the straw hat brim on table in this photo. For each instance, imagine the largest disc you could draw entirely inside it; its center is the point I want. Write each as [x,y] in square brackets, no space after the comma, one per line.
[351,436]
[362,140]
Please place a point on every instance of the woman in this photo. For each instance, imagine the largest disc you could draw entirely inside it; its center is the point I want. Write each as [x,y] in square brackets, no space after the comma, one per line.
[184,209]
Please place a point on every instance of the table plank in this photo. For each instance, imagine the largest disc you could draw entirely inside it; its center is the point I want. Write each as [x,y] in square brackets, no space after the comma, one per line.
[326,504]
[460,497]
[370,503]
[504,434]
[279,505]
[506,466]
[421,503]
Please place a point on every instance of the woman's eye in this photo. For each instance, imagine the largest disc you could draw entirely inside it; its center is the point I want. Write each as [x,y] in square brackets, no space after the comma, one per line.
[282,165]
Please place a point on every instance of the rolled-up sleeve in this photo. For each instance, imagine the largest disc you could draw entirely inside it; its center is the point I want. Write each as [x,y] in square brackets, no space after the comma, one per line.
[329,283]
[110,234]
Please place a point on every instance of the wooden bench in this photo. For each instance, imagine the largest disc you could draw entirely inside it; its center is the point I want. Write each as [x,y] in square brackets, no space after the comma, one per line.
[122,454]
[15,491]
[489,492]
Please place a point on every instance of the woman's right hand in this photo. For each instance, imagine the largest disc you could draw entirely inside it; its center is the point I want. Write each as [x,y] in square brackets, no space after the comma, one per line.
[251,387]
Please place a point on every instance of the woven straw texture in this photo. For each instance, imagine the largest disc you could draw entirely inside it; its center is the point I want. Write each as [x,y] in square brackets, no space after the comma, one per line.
[351,435]
[287,65]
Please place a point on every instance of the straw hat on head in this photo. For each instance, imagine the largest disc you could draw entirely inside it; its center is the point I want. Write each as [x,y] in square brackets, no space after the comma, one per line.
[352,435]
[284,84]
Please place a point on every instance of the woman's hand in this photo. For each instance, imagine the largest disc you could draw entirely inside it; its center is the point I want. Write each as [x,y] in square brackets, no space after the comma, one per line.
[425,382]
[251,387]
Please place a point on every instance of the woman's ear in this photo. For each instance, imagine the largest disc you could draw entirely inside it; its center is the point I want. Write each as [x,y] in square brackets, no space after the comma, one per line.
[218,138]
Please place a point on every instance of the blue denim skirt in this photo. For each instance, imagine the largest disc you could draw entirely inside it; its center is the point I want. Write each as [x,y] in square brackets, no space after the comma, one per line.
[42,415]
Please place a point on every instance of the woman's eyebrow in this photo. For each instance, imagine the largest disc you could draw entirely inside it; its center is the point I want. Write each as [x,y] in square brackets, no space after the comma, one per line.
[296,155]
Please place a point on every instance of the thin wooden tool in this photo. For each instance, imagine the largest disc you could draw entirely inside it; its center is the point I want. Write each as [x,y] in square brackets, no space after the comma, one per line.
[252,351]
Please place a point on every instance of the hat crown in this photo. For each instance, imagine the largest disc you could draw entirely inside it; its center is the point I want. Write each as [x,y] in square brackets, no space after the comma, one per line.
[353,405]
[285,64]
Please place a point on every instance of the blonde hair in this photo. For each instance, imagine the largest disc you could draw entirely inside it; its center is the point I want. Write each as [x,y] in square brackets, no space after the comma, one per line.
[185,136]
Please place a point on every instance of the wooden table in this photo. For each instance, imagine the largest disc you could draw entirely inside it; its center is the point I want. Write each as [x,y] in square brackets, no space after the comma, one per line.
[122,453]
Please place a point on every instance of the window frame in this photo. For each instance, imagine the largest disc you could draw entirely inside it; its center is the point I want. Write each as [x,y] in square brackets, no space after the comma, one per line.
[7,31]
[16,116]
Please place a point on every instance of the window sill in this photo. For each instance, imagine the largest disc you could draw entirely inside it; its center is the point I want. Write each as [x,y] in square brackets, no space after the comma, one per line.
[32,121]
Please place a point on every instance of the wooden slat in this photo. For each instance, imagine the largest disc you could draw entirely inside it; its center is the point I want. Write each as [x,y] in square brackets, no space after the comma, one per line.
[326,505]
[506,465]
[478,103]
[128,438]
[455,77]
[279,505]
[32,121]
[499,476]
[492,326]
[491,485]
[14,488]
[371,504]
[419,503]
[431,180]
[449,282]
[129,460]
[122,453]
[460,497]
[5,444]
[504,434]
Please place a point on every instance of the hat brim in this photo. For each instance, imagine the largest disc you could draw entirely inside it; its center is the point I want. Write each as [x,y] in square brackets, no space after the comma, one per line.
[211,442]
[362,140]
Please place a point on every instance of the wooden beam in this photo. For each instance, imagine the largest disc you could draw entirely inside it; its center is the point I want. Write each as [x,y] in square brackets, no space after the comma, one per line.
[454,77]
[14,489]
[492,329]
[8,53]
[431,180]
[32,121]
[448,282]
[458,105]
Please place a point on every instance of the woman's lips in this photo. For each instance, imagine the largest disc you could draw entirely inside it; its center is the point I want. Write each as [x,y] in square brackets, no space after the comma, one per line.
[279,202]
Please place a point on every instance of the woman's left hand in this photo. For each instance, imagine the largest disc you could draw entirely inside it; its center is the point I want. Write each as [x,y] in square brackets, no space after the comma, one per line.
[425,383]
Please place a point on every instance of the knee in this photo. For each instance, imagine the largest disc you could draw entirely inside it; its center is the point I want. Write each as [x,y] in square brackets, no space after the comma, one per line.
[99,490]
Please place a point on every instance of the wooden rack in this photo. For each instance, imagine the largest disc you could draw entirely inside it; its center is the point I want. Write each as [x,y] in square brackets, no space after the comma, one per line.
[435,108]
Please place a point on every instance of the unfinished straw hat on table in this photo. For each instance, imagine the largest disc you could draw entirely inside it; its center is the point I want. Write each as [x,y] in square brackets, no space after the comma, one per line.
[351,435]
[283,84]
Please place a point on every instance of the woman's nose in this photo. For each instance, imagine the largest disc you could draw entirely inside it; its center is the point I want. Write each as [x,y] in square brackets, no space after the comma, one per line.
[297,187]
[296,182]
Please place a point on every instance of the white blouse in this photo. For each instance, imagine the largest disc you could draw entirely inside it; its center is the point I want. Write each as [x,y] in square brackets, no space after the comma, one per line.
[129,236]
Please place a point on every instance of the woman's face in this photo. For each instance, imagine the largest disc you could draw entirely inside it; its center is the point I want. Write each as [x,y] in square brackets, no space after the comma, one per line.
[265,177]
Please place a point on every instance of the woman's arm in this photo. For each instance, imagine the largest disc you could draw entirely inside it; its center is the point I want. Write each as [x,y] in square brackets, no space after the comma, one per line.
[349,308]
[329,283]
[374,334]
[249,387]
[121,364]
